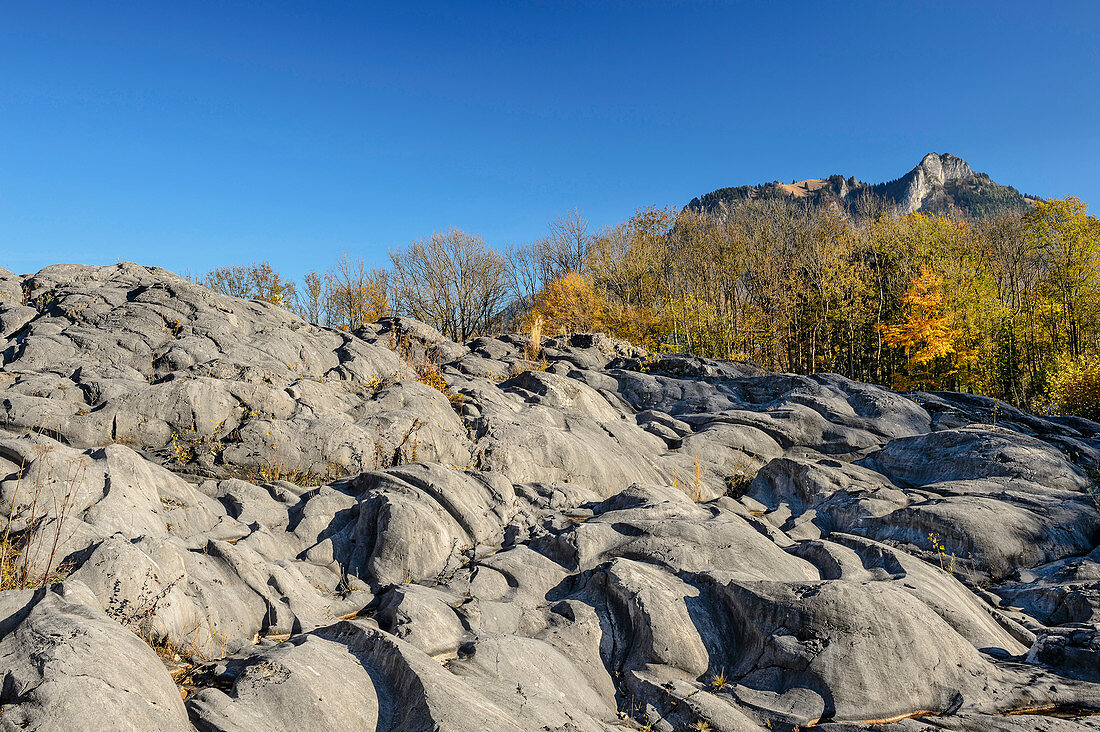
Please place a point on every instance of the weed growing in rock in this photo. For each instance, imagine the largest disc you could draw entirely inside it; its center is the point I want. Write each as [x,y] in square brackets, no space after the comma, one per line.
[138,614]
[534,346]
[742,476]
[179,655]
[275,470]
[401,455]
[425,370]
[190,445]
[1093,489]
[429,374]
[27,558]
[946,563]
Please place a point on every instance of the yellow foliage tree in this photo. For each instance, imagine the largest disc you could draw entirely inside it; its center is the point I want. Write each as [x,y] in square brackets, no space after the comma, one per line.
[1067,241]
[569,304]
[926,335]
[1075,387]
[356,304]
[628,265]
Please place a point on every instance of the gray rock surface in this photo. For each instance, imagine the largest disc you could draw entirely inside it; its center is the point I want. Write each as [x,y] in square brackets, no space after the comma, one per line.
[69,666]
[288,523]
[934,171]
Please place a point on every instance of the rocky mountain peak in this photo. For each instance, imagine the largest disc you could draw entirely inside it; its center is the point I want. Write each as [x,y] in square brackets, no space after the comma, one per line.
[940,183]
[931,175]
[943,167]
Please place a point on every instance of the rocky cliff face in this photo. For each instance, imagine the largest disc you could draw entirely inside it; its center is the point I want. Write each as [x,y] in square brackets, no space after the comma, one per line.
[586,538]
[931,176]
[940,183]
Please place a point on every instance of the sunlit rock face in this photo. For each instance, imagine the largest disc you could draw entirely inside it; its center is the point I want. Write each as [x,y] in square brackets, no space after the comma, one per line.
[283,522]
[933,173]
[940,183]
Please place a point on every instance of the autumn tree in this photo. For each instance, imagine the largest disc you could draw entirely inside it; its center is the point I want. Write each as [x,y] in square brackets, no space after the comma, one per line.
[526,273]
[1009,260]
[1067,240]
[254,282]
[452,281]
[569,304]
[705,299]
[355,295]
[925,335]
[1007,305]
[627,265]
[313,298]
[533,266]
[567,246]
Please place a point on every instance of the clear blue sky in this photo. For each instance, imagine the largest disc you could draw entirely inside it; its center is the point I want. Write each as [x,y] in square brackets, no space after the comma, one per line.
[194,134]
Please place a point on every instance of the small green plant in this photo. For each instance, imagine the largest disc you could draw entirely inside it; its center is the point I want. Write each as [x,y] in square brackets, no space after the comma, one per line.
[43,301]
[1093,488]
[720,681]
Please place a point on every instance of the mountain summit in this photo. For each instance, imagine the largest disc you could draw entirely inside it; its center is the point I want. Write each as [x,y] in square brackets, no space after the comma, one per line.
[940,183]
[933,175]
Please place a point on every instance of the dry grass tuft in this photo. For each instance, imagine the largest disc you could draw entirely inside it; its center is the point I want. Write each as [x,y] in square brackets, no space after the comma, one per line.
[27,559]
[534,346]
[697,488]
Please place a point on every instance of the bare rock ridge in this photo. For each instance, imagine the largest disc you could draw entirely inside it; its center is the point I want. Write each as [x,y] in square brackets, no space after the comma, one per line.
[933,174]
[940,183]
[248,522]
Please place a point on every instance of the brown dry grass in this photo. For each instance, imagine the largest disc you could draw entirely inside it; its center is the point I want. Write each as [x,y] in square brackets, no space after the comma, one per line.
[802,188]
[18,568]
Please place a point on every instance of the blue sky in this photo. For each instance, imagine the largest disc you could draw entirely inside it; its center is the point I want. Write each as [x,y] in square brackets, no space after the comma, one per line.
[190,135]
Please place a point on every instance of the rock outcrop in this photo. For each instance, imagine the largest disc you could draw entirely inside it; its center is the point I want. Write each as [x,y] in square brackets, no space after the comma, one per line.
[932,175]
[290,524]
[940,183]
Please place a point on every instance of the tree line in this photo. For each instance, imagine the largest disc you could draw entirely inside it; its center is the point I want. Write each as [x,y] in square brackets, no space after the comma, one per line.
[1006,305]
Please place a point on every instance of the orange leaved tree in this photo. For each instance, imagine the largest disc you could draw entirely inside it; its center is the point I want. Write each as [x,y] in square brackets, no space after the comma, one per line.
[926,335]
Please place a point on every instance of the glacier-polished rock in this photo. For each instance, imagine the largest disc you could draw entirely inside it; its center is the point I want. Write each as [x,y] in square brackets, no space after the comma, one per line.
[312,538]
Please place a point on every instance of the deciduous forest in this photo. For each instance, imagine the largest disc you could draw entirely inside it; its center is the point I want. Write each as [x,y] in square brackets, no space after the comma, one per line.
[1006,306]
